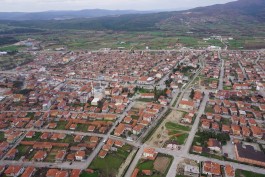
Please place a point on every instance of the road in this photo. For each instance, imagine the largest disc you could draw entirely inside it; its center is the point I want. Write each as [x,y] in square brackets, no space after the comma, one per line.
[243,70]
[221,78]
[135,161]
[189,84]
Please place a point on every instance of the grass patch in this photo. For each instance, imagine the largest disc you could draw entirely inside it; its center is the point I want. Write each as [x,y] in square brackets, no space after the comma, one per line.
[209,109]
[146,165]
[110,165]
[22,151]
[175,126]
[227,87]
[146,99]
[85,174]
[181,138]
[61,125]
[34,138]
[2,136]
[244,173]
[82,127]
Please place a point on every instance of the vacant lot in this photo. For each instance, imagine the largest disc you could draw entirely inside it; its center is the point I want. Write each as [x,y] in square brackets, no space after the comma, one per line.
[243,173]
[170,129]
[161,164]
[109,166]
[140,105]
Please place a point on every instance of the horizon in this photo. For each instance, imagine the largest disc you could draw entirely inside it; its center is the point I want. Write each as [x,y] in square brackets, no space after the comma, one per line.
[128,5]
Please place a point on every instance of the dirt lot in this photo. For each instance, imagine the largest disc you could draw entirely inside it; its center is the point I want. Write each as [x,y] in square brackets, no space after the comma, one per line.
[161,164]
[161,134]
[140,105]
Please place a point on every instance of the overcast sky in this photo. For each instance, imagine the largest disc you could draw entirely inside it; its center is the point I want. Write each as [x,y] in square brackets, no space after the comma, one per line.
[44,5]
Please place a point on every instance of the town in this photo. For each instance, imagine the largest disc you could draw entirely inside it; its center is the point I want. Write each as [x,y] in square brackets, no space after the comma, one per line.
[132,113]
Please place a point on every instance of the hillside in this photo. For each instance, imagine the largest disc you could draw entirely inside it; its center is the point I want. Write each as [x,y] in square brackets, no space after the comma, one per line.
[242,17]
[64,15]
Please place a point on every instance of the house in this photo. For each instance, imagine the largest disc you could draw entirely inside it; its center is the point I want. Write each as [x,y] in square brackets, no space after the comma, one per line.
[14,170]
[225,128]
[91,128]
[206,124]
[197,149]
[233,111]
[11,154]
[229,171]
[30,134]
[215,126]
[252,122]
[102,154]
[184,104]
[256,132]
[147,172]
[236,130]
[29,171]
[40,155]
[60,156]
[209,115]
[191,170]
[187,119]
[75,173]
[119,130]
[217,109]
[80,155]
[135,172]
[211,168]
[52,125]
[56,173]
[137,129]
[245,131]
[214,145]
[149,153]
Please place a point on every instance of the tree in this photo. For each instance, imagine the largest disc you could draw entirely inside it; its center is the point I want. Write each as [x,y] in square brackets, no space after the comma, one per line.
[192,93]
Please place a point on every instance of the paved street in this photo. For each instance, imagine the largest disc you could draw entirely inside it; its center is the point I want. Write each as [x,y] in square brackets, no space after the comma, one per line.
[221,78]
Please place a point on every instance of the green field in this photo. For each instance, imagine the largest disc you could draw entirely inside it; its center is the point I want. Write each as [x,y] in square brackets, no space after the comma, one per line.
[85,174]
[34,138]
[110,165]
[61,125]
[22,150]
[2,136]
[175,126]
[243,173]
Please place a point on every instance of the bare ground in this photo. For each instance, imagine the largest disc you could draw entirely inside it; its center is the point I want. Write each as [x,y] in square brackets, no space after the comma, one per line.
[161,164]
[161,134]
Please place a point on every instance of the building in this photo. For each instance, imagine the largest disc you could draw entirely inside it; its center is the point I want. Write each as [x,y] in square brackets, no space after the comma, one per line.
[80,155]
[248,154]
[189,105]
[229,171]
[214,145]
[211,168]
[190,170]
[14,170]
[29,171]
[149,153]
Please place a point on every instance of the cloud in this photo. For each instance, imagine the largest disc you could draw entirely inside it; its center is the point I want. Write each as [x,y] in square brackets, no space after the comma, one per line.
[43,5]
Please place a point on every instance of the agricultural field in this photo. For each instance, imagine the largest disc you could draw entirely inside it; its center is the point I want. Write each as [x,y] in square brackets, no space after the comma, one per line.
[13,59]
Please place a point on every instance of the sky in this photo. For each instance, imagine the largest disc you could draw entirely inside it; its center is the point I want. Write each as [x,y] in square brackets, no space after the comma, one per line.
[45,5]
